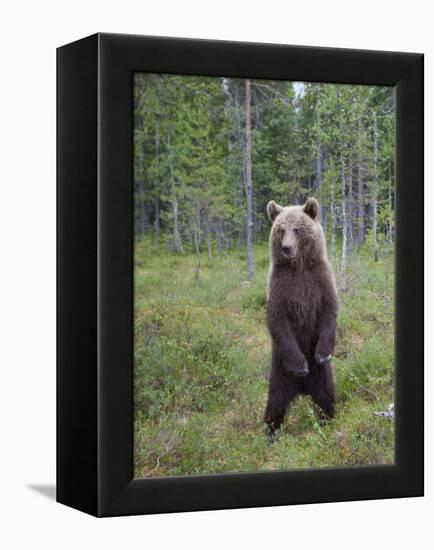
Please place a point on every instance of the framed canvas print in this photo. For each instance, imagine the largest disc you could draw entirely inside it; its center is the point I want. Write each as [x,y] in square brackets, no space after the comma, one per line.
[240,275]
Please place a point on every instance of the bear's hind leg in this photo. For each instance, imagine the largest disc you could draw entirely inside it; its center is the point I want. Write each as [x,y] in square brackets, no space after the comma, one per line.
[281,390]
[321,387]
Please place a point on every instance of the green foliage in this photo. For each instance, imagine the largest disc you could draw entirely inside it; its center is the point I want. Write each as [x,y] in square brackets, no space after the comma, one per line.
[182,362]
[202,356]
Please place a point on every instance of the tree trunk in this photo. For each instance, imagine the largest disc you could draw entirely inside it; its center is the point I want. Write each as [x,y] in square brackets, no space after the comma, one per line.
[360,185]
[333,223]
[239,179]
[197,249]
[177,243]
[208,238]
[390,224]
[344,217]
[140,208]
[176,235]
[219,240]
[375,190]
[324,221]
[248,182]
[374,228]
[318,143]
[350,203]
[141,202]
[157,184]
[156,221]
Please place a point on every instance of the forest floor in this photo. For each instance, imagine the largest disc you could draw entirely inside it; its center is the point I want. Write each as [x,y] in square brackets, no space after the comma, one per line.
[202,355]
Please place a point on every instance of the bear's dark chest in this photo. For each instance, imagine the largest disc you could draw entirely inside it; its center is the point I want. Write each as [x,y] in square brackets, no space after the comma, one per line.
[301,292]
[303,297]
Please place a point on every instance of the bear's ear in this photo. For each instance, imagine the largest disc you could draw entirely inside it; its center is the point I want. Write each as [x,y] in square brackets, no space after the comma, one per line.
[311,208]
[273,210]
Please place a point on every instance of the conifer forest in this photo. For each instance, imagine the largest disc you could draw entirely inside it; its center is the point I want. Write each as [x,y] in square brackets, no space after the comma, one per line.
[209,153]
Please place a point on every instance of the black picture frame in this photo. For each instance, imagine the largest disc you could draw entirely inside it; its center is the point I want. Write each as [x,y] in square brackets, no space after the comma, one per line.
[95,275]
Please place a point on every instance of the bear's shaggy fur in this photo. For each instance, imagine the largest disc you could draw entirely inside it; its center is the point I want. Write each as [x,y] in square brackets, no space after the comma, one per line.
[301,308]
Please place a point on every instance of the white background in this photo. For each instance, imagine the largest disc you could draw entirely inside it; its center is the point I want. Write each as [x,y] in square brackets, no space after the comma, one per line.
[30,32]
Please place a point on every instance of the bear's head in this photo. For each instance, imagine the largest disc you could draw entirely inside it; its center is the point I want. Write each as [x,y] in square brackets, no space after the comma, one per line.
[296,234]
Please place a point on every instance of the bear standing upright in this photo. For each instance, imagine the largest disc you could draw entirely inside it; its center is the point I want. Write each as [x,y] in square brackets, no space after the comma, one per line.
[301,308]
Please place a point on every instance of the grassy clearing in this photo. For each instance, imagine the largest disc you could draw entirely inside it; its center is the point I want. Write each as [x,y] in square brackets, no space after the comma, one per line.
[202,356]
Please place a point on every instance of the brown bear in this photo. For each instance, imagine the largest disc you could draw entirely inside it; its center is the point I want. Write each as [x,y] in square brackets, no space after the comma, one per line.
[301,310]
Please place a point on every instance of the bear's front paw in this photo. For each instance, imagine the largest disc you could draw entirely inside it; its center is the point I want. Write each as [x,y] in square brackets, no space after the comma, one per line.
[322,358]
[298,368]
[304,371]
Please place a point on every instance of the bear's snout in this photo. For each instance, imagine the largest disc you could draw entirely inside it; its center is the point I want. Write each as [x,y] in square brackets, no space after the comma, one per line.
[287,251]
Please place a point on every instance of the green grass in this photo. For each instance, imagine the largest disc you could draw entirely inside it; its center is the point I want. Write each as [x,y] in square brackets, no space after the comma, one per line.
[202,355]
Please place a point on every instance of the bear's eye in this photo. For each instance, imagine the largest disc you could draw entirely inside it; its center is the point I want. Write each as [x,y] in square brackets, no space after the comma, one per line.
[295,229]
